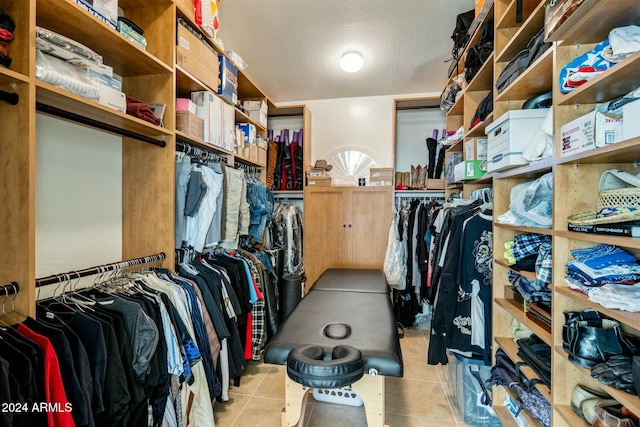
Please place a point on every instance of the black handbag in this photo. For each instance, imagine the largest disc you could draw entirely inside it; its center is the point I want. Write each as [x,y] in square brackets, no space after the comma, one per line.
[461,34]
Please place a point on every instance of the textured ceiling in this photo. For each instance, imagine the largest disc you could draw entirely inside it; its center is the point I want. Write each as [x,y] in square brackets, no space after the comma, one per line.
[293,46]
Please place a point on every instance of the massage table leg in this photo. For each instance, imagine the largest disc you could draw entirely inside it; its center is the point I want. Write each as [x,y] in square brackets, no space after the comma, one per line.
[296,397]
[370,388]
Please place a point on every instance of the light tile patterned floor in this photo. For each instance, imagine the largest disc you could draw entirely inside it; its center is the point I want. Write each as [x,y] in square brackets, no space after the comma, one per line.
[420,399]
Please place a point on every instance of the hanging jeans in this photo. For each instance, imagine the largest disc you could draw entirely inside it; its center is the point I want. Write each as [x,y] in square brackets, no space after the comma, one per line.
[183,172]
[257,198]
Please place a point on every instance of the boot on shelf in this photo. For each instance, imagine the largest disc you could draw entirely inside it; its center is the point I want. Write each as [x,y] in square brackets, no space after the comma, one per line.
[287,164]
[293,148]
[398,179]
[414,176]
[277,173]
[298,159]
[439,164]
[432,146]
[406,179]
[422,177]
[272,158]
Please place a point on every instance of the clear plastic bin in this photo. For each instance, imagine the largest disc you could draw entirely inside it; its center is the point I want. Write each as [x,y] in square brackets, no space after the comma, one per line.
[467,392]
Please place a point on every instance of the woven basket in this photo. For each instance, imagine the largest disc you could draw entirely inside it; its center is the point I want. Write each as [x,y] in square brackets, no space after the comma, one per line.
[613,206]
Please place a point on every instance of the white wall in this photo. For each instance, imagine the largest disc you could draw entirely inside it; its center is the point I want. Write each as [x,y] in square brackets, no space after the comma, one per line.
[413,127]
[364,124]
[78,197]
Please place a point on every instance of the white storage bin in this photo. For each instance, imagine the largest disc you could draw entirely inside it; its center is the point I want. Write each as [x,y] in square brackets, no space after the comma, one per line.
[509,134]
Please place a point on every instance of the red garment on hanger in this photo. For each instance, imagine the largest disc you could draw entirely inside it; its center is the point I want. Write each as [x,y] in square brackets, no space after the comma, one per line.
[53,387]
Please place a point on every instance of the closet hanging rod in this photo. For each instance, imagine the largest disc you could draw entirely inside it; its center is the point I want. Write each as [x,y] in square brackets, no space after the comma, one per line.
[114,266]
[188,149]
[58,112]
[9,97]
[10,289]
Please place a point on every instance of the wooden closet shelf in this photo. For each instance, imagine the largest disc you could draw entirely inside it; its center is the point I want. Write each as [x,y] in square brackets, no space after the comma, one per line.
[533,230]
[478,130]
[531,275]
[8,77]
[628,318]
[63,100]
[508,18]
[627,151]
[511,348]
[632,402]
[533,422]
[199,142]
[483,80]
[630,242]
[617,81]
[514,309]
[568,415]
[586,25]
[532,170]
[504,415]
[126,58]
[524,34]
[533,81]
[458,106]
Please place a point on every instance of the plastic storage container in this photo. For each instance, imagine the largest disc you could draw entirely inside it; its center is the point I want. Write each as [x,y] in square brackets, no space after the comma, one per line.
[467,392]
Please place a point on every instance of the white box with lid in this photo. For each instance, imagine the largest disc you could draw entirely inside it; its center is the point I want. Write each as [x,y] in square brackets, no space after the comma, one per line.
[508,135]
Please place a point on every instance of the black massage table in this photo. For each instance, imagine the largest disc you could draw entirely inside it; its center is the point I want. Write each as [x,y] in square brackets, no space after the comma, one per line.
[341,334]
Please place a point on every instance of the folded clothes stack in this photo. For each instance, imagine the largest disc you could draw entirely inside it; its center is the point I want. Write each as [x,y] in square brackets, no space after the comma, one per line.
[607,274]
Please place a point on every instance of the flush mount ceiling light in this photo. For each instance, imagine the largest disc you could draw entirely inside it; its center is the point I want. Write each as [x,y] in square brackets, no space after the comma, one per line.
[351,61]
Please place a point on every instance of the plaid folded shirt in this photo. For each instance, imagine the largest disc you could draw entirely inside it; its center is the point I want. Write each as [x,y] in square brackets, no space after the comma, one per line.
[528,244]
[543,265]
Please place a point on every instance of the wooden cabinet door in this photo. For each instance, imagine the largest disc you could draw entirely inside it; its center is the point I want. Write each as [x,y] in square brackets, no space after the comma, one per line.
[368,227]
[325,230]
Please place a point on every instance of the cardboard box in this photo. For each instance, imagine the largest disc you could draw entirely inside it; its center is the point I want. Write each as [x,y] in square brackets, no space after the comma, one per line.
[112,98]
[249,132]
[435,184]
[594,129]
[228,80]
[255,105]
[209,108]
[475,149]
[190,124]
[631,127]
[258,116]
[557,12]
[262,155]
[196,58]
[508,135]
[253,153]
[320,181]
[228,126]
[380,182]
[386,173]
[482,7]
[316,173]
[468,169]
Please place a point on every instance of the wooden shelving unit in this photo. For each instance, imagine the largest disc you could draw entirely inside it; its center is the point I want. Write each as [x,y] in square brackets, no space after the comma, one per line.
[148,169]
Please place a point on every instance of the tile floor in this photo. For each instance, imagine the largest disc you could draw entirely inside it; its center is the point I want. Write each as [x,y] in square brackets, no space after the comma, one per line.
[421,398]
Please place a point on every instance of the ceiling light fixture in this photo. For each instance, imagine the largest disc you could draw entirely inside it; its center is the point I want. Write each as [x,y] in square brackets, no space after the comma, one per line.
[351,61]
